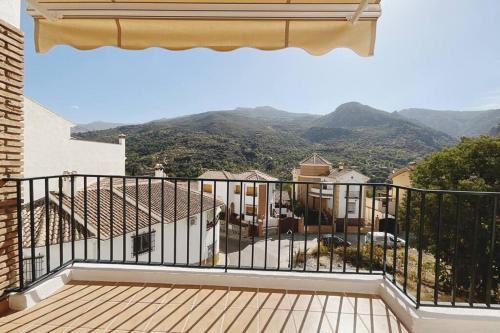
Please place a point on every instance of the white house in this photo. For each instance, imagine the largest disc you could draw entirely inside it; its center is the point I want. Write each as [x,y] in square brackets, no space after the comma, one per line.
[251,195]
[135,231]
[329,191]
[50,150]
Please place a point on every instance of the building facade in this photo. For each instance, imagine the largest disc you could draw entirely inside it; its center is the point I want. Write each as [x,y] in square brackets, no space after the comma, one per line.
[329,195]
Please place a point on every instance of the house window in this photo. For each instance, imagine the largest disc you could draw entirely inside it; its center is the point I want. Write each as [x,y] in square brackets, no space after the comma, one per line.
[207,188]
[237,189]
[143,243]
[250,210]
[325,186]
[251,191]
[28,268]
[351,207]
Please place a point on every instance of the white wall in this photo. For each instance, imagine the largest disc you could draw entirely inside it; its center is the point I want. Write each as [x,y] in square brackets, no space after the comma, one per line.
[181,245]
[235,198]
[49,149]
[10,12]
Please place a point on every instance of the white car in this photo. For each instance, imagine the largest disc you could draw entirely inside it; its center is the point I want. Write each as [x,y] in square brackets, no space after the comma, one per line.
[378,239]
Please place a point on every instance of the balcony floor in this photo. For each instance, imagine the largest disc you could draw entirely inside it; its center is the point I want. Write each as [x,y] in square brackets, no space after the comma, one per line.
[121,307]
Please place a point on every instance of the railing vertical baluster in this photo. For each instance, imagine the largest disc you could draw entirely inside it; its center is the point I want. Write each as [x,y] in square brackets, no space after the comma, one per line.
[420,246]
[492,252]
[386,225]
[346,219]
[358,246]
[374,190]
[241,212]
[334,187]
[214,223]
[72,221]
[293,214]
[319,226]
[135,250]
[61,231]
[279,223]
[32,231]
[162,217]
[20,230]
[474,252]
[267,223]
[455,253]
[98,218]
[253,223]
[407,238]
[227,224]
[85,218]
[201,222]
[438,247]
[396,235]
[175,221]
[111,219]
[306,225]
[47,225]
[124,219]
[188,220]
[149,221]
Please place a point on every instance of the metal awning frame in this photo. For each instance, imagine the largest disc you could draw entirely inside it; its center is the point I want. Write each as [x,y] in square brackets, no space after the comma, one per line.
[206,11]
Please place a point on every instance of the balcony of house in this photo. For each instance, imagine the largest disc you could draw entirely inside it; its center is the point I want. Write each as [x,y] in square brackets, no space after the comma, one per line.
[111,253]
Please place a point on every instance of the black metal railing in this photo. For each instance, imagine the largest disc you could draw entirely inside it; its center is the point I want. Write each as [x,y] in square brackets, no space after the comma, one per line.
[437,247]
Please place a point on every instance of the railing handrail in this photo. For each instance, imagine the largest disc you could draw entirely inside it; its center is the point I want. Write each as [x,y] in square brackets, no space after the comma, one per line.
[466,192]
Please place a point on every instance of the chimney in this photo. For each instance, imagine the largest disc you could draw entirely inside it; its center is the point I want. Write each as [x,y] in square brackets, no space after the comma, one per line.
[121,139]
[159,171]
[341,166]
[66,182]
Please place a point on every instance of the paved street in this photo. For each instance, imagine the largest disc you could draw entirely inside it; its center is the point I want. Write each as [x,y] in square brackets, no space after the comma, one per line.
[242,254]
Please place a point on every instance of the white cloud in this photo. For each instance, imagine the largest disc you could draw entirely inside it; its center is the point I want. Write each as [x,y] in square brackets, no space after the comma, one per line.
[75,107]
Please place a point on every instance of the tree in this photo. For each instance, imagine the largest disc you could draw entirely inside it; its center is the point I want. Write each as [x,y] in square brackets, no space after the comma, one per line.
[464,243]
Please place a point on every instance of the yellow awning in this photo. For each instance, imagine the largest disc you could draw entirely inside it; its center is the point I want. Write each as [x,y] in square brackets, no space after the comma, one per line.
[317,26]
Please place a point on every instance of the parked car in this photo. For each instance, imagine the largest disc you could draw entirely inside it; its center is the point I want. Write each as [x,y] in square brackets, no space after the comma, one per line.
[327,241]
[378,239]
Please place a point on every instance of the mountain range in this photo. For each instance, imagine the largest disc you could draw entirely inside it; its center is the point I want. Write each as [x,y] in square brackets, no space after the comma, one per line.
[455,123]
[274,141]
[94,126]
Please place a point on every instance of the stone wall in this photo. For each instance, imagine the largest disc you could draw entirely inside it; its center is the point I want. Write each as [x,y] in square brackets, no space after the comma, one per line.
[11,146]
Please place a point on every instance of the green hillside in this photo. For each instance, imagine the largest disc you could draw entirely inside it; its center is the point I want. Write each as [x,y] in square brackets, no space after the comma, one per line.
[274,141]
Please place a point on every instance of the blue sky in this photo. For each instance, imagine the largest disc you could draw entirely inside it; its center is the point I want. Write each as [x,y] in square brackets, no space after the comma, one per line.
[441,54]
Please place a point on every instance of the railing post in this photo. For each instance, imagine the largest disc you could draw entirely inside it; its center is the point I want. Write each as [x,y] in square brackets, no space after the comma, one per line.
[492,252]
[420,246]
[20,233]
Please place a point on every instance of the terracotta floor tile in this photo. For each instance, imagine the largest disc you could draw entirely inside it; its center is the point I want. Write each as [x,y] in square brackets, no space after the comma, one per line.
[242,298]
[205,319]
[333,302]
[181,295]
[346,322]
[212,297]
[241,320]
[369,306]
[301,301]
[272,320]
[14,327]
[100,315]
[42,312]
[169,318]
[152,293]
[134,316]
[383,324]
[273,299]
[122,292]
[311,321]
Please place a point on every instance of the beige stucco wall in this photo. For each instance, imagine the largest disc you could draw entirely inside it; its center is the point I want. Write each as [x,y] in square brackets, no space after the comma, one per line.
[10,12]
